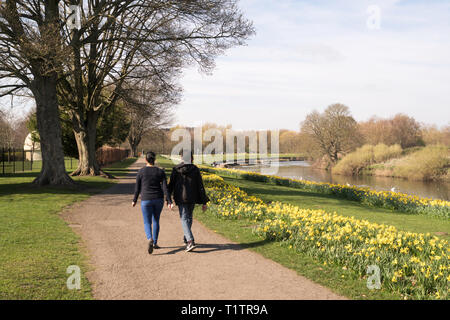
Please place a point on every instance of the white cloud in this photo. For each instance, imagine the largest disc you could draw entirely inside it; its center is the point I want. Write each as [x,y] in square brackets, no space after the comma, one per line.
[309,54]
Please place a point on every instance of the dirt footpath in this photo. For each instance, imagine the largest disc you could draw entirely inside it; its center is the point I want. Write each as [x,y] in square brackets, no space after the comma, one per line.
[113,234]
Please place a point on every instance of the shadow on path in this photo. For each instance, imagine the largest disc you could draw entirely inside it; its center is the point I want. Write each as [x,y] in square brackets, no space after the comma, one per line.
[206,248]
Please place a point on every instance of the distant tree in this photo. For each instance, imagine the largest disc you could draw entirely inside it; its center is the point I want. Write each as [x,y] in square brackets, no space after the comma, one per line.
[432,135]
[291,142]
[148,103]
[406,131]
[376,131]
[334,132]
[401,129]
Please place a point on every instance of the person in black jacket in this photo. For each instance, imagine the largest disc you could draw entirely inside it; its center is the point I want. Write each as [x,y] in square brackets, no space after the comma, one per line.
[186,185]
[151,184]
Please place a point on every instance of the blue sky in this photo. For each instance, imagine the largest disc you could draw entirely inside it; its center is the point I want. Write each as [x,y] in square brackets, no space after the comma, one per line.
[307,55]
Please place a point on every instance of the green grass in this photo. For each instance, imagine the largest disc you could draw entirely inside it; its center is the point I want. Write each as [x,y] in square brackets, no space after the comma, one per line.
[36,245]
[13,167]
[311,200]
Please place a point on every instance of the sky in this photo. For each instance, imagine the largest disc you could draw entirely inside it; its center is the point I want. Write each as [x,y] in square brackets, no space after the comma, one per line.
[377,57]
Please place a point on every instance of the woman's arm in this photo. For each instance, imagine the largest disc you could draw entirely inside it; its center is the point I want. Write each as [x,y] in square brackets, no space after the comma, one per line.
[137,187]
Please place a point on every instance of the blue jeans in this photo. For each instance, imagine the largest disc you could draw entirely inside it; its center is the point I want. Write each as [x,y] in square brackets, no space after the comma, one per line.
[151,211]
[186,210]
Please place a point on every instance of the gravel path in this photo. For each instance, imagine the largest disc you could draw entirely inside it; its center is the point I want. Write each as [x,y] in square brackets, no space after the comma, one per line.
[113,234]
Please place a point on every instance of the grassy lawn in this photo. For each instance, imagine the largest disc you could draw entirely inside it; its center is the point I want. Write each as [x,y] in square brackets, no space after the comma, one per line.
[36,245]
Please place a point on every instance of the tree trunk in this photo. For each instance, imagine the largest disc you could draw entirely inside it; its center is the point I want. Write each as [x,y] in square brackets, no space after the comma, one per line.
[86,135]
[133,142]
[53,171]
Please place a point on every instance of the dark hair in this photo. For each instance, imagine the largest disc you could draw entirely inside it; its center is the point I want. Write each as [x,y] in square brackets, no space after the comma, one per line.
[150,157]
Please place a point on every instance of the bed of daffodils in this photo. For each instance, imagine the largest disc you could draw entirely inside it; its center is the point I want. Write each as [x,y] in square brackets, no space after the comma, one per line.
[385,199]
[414,265]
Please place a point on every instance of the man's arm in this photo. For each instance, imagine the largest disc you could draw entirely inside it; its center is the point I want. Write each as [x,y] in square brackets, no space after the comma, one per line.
[203,197]
[171,186]
[165,188]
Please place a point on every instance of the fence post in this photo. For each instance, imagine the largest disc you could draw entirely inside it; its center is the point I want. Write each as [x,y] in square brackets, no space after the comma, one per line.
[14,160]
[3,159]
[23,160]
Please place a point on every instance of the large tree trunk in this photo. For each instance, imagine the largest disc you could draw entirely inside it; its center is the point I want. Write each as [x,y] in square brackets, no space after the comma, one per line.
[53,169]
[86,136]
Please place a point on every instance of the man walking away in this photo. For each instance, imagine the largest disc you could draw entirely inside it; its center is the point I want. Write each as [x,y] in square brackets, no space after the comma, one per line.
[186,185]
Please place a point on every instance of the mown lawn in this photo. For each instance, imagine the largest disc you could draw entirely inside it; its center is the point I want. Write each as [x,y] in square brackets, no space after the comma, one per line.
[36,245]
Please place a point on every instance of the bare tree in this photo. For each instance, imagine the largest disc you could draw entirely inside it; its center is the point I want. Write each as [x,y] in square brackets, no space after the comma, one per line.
[160,37]
[334,132]
[42,53]
[149,103]
[31,54]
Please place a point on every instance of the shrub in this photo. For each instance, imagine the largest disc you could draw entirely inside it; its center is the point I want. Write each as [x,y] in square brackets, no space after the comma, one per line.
[354,162]
[430,163]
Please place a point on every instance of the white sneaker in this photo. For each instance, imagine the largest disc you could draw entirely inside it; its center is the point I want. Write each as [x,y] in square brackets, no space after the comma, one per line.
[190,246]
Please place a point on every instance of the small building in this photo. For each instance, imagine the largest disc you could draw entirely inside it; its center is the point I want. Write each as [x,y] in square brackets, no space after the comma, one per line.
[32,149]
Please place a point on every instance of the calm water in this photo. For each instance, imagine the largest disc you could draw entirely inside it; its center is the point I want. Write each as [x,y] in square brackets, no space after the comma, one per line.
[301,169]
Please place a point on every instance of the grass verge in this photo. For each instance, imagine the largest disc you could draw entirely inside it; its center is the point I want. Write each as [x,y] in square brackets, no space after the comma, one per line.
[36,245]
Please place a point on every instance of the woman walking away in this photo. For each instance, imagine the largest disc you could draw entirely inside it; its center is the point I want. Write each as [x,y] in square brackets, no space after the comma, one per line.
[152,185]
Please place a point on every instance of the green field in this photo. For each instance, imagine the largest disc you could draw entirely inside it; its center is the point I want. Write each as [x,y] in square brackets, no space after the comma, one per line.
[37,246]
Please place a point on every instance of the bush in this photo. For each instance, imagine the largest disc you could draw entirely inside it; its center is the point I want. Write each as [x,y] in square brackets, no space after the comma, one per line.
[430,163]
[355,162]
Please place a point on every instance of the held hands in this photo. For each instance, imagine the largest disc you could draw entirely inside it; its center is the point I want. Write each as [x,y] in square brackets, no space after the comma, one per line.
[170,206]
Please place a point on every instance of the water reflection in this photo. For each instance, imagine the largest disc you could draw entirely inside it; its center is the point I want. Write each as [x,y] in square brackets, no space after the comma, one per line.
[302,170]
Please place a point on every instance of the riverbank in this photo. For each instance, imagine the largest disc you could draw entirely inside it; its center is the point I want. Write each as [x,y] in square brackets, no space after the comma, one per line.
[430,163]
[37,245]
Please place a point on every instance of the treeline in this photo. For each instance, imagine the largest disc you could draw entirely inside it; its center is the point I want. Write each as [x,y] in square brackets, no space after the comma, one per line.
[323,137]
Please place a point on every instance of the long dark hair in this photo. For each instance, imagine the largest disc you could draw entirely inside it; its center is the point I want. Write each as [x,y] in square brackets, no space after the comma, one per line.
[150,157]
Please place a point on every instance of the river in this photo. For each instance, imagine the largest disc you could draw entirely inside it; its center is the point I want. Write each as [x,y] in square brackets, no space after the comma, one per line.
[302,170]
